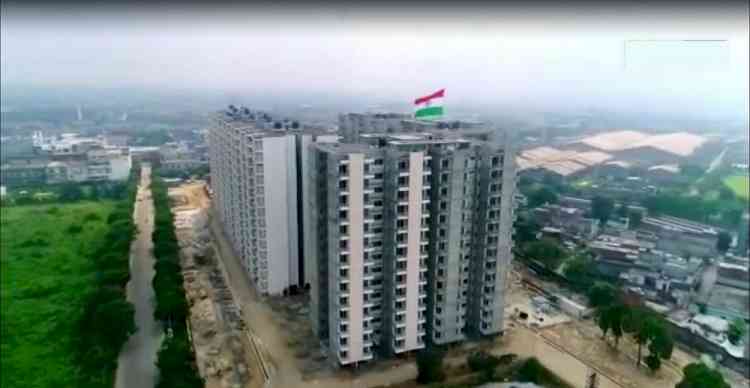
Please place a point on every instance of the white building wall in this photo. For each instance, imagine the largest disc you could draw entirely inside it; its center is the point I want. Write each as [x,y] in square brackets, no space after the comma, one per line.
[356,257]
[413,250]
[120,167]
[279,183]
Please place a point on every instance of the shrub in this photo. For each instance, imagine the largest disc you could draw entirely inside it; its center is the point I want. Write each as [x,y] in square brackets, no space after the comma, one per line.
[430,366]
[481,361]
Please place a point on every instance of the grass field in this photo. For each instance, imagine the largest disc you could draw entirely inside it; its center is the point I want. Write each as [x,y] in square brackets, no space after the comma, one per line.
[740,184]
[46,270]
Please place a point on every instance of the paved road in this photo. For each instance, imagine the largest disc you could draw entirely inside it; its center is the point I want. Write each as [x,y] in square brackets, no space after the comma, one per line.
[136,366]
[717,161]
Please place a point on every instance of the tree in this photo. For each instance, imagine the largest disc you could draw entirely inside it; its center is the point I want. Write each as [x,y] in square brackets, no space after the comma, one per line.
[579,271]
[546,250]
[526,229]
[649,329]
[634,219]
[603,294]
[723,241]
[542,196]
[699,375]
[601,208]
[94,193]
[70,192]
[430,366]
[622,211]
[653,362]
[532,371]
[612,318]
[295,124]
[726,194]
[736,331]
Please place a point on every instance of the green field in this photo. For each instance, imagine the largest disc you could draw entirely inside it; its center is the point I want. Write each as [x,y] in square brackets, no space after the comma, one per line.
[45,253]
[740,184]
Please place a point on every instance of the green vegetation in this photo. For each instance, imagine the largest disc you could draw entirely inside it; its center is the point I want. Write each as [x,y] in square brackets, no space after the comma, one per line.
[66,193]
[647,327]
[65,316]
[176,360]
[547,251]
[602,208]
[150,138]
[695,208]
[430,366]
[532,371]
[541,195]
[737,330]
[739,184]
[699,375]
[723,241]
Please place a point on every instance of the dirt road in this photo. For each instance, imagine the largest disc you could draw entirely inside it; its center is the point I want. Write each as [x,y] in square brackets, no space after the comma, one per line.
[136,366]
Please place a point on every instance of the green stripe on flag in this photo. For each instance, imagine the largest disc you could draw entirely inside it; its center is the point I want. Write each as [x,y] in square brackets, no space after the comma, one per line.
[428,112]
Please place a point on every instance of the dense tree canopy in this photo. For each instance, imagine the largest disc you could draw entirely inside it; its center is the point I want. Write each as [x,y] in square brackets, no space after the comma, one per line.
[601,208]
[699,375]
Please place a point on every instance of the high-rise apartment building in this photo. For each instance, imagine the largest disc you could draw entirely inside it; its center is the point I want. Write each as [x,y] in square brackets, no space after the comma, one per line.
[403,235]
[255,175]
[351,125]
[410,238]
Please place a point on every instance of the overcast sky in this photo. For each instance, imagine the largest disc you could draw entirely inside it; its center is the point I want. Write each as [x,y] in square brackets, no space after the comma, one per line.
[620,56]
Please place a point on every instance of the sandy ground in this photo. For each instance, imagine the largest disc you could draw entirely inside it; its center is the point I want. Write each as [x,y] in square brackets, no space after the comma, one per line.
[581,339]
[219,345]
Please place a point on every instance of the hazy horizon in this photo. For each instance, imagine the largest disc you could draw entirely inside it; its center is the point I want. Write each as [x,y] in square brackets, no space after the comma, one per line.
[628,59]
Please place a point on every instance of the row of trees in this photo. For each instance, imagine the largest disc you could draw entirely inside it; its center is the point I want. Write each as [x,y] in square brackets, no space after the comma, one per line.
[107,319]
[68,192]
[619,318]
[176,360]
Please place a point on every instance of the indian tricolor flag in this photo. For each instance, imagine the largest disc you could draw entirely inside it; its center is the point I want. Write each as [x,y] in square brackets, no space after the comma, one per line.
[430,106]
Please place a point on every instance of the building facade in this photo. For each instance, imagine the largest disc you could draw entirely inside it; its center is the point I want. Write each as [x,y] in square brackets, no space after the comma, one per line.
[69,158]
[253,176]
[256,174]
[410,239]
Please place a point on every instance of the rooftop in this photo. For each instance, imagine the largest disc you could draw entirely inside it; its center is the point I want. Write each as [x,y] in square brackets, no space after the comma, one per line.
[677,143]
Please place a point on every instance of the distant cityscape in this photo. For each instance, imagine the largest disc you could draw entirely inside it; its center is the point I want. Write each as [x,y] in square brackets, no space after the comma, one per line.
[385,236]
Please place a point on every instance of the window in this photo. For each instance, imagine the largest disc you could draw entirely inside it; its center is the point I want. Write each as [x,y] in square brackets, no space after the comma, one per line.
[343,214]
[343,244]
[343,229]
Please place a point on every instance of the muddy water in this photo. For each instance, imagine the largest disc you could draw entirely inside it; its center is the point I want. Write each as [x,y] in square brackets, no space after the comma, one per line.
[136,366]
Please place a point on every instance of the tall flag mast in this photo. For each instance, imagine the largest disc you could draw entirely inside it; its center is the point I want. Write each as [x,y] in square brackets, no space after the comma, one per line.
[429,107]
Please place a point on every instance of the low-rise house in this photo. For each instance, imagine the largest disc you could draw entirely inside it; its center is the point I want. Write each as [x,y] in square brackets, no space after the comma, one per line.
[733,275]
[680,236]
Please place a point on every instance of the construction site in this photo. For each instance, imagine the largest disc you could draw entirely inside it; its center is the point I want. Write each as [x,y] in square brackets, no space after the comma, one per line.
[242,339]
[220,340]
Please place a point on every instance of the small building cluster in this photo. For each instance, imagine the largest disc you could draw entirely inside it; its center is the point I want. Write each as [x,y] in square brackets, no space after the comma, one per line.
[66,158]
